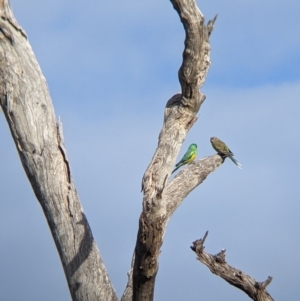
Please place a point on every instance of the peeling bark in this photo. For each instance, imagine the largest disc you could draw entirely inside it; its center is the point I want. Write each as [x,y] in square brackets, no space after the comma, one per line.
[218,265]
[28,109]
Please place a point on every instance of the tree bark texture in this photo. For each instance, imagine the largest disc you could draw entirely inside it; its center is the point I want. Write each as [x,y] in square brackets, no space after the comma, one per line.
[160,196]
[28,109]
[218,265]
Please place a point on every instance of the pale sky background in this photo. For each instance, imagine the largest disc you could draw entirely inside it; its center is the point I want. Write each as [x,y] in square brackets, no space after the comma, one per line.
[111,66]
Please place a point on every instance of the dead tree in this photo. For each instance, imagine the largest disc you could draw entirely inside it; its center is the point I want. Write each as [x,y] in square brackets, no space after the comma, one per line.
[38,137]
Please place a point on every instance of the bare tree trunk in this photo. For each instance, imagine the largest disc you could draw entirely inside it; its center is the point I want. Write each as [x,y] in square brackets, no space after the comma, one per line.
[28,109]
[162,197]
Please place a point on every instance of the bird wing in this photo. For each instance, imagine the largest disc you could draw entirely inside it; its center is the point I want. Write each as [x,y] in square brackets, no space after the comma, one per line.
[188,155]
[228,153]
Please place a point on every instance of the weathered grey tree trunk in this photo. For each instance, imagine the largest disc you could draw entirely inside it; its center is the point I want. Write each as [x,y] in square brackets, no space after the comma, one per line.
[38,137]
[161,196]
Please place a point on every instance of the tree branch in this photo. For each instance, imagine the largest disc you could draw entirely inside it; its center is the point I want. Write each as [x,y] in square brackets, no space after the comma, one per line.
[188,179]
[218,265]
[161,197]
[28,109]
[175,192]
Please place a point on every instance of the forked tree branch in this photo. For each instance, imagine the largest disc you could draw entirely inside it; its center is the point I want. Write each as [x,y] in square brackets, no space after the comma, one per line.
[28,109]
[161,196]
[175,192]
[218,265]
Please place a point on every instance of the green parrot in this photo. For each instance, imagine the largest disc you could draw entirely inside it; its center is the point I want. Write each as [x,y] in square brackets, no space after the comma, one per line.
[188,157]
[223,150]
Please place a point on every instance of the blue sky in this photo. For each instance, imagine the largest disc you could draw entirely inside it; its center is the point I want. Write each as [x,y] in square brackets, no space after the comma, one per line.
[111,66]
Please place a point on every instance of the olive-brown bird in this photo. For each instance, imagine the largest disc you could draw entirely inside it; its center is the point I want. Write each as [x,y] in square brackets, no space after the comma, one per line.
[223,150]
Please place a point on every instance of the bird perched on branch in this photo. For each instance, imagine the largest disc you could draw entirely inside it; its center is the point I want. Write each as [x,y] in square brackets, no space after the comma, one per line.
[188,157]
[223,150]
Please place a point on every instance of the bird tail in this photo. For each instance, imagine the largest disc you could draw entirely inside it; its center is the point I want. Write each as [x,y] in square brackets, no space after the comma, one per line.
[238,164]
[175,169]
[178,165]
